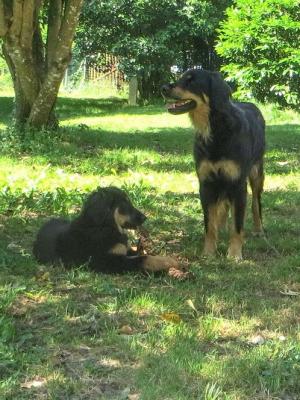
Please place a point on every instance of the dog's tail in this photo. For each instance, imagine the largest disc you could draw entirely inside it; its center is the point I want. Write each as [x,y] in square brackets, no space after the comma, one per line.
[45,246]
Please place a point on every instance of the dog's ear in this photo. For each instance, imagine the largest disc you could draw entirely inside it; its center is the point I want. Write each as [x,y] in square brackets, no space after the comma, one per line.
[220,92]
[97,207]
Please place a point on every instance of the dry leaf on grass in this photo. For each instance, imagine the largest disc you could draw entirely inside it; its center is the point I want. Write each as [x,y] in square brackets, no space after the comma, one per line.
[288,292]
[256,340]
[171,317]
[35,383]
[44,277]
[190,303]
[126,330]
[134,396]
[14,247]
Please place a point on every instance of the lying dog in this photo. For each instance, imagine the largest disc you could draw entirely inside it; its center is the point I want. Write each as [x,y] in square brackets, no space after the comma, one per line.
[97,237]
[228,149]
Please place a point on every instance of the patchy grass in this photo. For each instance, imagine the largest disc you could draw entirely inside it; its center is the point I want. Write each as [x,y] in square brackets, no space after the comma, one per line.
[230,333]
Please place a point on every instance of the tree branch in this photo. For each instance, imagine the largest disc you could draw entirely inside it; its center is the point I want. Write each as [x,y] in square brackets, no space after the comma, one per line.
[38,53]
[16,26]
[54,24]
[48,93]
[27,23]
[68,27]
[3,24]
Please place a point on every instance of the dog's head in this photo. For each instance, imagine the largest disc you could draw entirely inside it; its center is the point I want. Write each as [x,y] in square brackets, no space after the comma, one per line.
[111,205]
[195,88]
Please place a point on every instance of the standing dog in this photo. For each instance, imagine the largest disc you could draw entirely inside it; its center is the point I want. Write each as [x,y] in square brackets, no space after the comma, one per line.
[228,149]
[97,237]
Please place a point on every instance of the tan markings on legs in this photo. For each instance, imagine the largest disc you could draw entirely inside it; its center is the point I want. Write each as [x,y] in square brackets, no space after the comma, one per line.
[223,209]
[204,170]
[229,168]
[120,219]
[256,179]
[159,263]
[217,217]
[235,246]
[119,249]
[211,236]
[236,241]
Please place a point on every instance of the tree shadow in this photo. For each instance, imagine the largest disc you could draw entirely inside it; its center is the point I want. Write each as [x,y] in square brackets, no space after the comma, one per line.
[71,320]
[283,149]
[69,107]
[77,145]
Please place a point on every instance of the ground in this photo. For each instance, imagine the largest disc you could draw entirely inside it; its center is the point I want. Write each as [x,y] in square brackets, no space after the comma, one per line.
[232,332]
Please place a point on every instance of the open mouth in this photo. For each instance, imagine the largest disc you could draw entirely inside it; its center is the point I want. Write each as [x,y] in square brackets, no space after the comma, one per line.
[181,106]
[131,225]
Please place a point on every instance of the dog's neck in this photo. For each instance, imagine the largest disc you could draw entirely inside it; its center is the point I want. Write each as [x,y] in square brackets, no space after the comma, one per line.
[200,119]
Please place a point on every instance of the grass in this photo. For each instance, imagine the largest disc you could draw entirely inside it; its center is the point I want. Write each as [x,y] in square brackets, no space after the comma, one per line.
[228,334]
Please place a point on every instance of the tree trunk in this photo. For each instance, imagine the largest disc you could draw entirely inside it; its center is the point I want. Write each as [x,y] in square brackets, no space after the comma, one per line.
[37,68]
[133,89]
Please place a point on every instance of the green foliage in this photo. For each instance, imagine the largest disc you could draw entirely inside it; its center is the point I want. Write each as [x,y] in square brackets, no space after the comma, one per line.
[260,42]
[150,36]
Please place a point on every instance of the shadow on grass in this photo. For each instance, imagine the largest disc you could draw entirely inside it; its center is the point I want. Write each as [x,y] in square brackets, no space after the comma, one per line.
[281,212]
[97,151]
[283,149]
[71,107]
[67,324]
[68,108]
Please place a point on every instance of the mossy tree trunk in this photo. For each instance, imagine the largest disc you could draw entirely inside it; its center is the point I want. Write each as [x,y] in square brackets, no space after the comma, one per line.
[37,61]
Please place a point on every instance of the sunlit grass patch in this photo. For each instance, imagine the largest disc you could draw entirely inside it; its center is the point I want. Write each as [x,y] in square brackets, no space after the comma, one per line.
[232,332]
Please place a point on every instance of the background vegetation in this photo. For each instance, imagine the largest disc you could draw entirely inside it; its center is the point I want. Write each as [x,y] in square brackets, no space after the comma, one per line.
[232,332]
[149,37]
[258,42]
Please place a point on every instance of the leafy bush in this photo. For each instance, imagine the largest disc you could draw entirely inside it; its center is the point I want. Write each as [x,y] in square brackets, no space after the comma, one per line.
[149,36]
[260,42]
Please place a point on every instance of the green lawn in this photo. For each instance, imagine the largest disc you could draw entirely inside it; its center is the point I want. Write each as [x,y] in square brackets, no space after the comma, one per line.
[231,333]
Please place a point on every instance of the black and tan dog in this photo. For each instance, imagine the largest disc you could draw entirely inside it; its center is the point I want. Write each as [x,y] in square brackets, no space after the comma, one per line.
[97,237]
[228,149]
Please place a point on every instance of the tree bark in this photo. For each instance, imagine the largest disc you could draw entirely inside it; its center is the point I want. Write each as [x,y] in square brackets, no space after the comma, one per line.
[37,68]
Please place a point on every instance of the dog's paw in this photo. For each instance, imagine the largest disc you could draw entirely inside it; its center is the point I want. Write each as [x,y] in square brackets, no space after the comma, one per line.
[180,274]
[160,263]
[234,254]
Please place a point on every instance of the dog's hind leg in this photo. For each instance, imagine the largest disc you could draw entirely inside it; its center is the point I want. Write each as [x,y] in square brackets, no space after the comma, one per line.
[256,179]
[238,215]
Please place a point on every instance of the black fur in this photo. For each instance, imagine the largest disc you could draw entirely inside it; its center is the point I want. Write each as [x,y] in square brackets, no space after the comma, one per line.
[92,236]
[236,134]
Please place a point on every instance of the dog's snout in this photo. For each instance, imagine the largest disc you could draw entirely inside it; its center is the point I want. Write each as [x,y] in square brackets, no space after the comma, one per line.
[142,218]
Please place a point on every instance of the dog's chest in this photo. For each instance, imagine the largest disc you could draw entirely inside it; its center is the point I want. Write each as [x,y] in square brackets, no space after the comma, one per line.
[213,160]
[225,168]
[200,119]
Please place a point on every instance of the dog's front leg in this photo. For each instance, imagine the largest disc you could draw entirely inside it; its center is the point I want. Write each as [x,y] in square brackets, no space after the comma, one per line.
[159,263]
[238,216]
[210,211]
